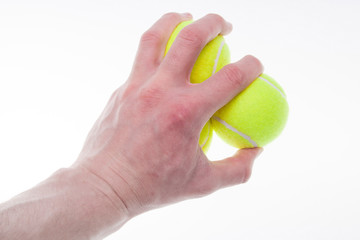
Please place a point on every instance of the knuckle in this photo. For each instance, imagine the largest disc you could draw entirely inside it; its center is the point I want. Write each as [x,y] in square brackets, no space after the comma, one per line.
[216,17]
[246,174]
[234,74]
[171,15]
[149,97]
[191,37]
[121,93]
[255,62]
[177,117]
[126,90]
[151,36]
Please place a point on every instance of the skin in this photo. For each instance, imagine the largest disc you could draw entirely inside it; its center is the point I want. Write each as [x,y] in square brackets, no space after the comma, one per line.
[142,153]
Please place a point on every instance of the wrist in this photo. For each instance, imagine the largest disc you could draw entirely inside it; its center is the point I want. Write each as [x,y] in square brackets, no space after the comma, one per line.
[99,201]
[93,205]
[112,186]
[67,205]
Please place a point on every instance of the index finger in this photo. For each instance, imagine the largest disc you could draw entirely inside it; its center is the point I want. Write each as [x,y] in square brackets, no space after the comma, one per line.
[187,46]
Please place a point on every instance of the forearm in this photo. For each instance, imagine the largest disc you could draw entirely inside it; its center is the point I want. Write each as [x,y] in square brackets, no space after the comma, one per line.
[70,204]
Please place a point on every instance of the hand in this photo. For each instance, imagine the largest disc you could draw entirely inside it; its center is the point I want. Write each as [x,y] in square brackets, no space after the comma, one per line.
[144,147]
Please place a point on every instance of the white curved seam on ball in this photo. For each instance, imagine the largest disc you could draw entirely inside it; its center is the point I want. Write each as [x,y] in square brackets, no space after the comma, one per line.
[218,57]
[207,137]
[231,128]
[272,85]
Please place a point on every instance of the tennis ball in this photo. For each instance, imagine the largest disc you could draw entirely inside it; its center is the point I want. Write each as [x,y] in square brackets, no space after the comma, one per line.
[206,136]
[212,58]
[254,117]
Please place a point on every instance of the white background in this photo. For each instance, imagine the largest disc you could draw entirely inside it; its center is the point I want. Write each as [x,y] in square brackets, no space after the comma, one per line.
[61,60]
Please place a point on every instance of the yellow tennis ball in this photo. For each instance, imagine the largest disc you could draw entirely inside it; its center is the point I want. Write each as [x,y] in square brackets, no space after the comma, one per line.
[254,117]
[206,136]
[212,58]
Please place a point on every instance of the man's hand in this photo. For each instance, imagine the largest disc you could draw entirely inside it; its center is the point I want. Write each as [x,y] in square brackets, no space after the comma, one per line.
[143,151]
[145,145]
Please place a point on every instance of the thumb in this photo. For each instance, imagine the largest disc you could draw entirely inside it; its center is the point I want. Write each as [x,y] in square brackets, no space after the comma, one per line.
[236,169]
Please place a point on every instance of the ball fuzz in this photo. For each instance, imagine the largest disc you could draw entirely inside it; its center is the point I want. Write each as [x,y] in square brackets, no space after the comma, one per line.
[254,117]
